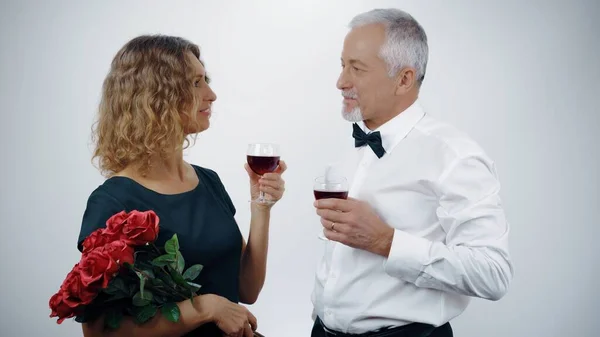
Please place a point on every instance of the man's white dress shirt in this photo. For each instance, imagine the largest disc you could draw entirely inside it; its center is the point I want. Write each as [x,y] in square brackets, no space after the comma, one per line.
[439,191]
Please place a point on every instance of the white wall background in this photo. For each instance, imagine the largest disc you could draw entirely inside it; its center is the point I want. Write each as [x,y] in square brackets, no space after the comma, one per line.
[521,77]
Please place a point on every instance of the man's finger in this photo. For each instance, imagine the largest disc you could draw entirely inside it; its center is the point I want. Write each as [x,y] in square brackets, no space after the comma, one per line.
[332,216]
[334,204]
[339,227]
[335,236]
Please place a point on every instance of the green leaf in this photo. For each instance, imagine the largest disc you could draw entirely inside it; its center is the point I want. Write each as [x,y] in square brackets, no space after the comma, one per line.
[128,265]
[145,313]
[146,295]
[164,260]
[171,312]
[178,278]
[116,297]
[172,245]
[195,287]
[157,282]
[133,288]
[113,318]
[141,299]
[192,272]
[160,299]
[117,286]
[166,278]
[149,273]
[180,262]
[84,315]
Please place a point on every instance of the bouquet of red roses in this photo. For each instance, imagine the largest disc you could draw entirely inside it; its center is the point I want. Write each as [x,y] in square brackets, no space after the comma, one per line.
[123,273]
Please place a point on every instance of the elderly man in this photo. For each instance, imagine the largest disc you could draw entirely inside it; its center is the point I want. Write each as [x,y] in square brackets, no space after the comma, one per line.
[423,230]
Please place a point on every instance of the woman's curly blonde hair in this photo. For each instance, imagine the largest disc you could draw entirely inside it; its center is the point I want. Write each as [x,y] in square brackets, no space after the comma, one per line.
[146,95]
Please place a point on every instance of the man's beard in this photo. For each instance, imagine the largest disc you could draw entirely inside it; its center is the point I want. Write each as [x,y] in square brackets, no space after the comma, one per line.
[354,115]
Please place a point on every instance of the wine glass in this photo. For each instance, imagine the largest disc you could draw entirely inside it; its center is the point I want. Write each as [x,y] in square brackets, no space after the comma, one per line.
[327,187]
[262,158]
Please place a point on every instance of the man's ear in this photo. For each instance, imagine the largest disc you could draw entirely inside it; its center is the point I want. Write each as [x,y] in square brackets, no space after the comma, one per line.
[405,80]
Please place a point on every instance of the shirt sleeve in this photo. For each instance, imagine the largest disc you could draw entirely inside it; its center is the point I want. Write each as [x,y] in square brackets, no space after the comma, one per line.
[474,258]
[223,192]
[100,207]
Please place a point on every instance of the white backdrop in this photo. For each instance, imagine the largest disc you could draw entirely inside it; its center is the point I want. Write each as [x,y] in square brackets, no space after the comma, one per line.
[520,77]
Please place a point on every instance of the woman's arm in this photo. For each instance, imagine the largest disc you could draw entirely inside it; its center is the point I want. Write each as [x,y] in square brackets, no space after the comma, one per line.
[192,316]
[254,255]
[230,317]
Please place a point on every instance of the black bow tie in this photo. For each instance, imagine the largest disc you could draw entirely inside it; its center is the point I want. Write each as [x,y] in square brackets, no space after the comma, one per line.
[372,139]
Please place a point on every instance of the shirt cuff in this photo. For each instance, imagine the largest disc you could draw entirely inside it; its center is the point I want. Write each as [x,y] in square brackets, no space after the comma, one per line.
[408,256]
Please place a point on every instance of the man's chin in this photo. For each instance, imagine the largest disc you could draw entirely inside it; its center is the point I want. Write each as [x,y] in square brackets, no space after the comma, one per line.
[354,115]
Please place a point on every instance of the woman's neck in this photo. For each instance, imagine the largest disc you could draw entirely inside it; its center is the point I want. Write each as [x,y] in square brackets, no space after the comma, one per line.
[166,176]
[173,169]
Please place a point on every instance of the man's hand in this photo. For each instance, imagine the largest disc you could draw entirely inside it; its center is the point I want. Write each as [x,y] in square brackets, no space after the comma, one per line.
[354,223]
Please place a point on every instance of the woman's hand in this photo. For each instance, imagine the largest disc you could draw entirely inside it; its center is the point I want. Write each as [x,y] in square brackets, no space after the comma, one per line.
[231,318]
[271,184]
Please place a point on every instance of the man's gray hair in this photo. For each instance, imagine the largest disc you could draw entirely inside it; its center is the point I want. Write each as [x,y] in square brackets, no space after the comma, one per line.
[406,41]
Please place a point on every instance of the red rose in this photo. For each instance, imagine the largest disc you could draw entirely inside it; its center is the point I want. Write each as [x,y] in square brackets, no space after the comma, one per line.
[112,232]
[100,265]
[137,228]
[59,308]
[141,227]
[114,225]
[98,238]
[120,251]
[76,292]
[67,302]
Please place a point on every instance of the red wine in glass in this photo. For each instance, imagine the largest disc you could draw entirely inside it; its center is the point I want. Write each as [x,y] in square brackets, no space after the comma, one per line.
[331,194]
[262,158]
[262,164]
[330,187]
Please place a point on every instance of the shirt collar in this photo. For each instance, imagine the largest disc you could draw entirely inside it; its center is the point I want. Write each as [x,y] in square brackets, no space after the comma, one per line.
[394,130]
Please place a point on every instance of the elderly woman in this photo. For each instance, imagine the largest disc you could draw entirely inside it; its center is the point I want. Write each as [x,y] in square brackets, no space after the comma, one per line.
[154,98]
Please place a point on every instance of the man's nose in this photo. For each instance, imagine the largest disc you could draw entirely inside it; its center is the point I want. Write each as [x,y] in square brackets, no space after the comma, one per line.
[343,82]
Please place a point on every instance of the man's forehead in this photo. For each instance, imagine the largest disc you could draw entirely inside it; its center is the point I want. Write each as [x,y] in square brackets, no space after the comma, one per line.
[364,41]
